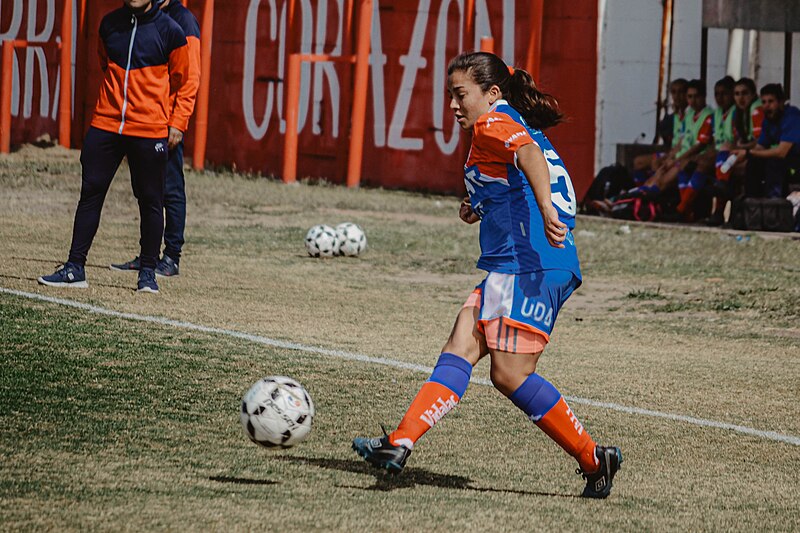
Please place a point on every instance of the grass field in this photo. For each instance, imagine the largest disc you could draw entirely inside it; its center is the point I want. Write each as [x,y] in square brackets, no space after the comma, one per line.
[117,424]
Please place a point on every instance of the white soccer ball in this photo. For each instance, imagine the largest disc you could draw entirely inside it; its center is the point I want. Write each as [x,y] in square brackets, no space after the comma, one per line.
[322,241]
[277,412]
[352,240]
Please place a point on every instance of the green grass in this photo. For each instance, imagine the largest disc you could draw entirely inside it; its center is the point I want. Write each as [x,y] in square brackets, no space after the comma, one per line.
[114,424]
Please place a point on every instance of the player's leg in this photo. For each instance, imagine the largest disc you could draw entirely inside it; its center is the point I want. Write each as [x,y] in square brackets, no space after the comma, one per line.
[437,396]
[100,157]
[174,214]
[516,341]
[147,159]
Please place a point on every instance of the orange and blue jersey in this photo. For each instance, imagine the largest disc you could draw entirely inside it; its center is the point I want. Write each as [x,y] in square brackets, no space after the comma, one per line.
[184,99]
[145,60]
[512,236]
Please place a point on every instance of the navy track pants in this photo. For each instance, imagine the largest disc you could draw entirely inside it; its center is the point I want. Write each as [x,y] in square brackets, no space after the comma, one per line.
[100,158]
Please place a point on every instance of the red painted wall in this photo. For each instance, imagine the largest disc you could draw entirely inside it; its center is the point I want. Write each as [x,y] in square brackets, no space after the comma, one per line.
[417,38]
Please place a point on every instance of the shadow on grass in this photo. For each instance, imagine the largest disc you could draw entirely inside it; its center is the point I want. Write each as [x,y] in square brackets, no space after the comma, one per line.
[91,283]
[55,262]
[409,478]
[242,480]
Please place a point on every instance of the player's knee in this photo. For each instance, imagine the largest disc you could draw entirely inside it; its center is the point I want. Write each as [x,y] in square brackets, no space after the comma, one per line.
[468,349]
[503,380]
[508,375]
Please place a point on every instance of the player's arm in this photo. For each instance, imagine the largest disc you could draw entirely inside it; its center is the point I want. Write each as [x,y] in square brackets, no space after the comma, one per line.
[178,65]
[780,151]
[704,138]
[531,161]
[183,100]
[102,55]
[466,213]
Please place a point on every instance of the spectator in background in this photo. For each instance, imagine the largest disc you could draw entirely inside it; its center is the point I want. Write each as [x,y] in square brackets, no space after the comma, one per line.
[175,189]
[748,116]
[724,138]
[778,147]
[670,130]
[692,162]
[144,58]
[699,159]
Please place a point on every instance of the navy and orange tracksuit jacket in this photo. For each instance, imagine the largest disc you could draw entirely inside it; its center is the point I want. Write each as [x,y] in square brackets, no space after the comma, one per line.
[184,100]
[145,58]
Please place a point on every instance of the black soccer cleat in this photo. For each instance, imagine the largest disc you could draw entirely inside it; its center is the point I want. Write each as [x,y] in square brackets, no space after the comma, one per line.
[381,453]
[598,484]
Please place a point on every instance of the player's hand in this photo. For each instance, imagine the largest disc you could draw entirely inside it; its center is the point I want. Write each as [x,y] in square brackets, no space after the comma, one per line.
[175,137]
[466,213]
[554,229]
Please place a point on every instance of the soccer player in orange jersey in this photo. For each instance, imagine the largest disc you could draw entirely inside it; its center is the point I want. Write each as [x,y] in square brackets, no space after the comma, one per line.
[521,192]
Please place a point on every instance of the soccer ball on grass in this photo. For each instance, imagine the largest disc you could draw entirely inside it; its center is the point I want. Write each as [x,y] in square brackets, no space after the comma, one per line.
[352,240]
[277,412]
[322,241]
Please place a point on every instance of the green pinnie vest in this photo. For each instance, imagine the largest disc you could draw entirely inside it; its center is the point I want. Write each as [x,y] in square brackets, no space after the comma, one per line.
[723,127]
[678,127]
[692,127]
[748,120]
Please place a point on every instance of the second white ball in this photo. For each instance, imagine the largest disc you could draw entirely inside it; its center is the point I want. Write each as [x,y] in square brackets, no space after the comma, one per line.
[352,240]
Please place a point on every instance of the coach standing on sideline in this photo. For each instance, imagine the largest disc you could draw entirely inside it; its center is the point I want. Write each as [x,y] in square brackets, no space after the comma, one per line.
[145,60]
[183,106]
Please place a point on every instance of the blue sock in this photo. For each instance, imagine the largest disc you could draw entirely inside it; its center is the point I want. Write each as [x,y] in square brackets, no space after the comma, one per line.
[535,397]
[453,372]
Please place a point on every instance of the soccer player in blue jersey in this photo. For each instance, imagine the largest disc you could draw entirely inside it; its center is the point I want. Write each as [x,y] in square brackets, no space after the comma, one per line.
[521,192]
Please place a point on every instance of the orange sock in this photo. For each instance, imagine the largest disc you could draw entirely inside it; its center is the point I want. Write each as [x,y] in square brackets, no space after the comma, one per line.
[432,402]
[687,197]
[561,425]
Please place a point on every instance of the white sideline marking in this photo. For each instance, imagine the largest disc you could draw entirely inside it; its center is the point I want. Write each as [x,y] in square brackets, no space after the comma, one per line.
[769,435]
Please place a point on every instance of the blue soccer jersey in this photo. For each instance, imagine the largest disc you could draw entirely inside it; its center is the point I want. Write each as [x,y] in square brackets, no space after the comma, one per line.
[512,234]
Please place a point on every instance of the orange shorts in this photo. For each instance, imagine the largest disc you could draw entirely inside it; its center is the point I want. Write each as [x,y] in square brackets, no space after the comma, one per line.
[505,334]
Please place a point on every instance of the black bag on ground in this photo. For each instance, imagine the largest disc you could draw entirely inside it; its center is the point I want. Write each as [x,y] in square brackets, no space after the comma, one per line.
[765,214]
[610,181]
[777,214]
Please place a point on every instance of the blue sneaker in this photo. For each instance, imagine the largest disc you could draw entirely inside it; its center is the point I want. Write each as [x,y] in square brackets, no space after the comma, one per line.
[147,281]
[133,264]
[167,267]
[69,275]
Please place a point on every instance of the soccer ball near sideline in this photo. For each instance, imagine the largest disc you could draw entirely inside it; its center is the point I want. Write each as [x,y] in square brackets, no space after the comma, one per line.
[352,240]
[322,241]
[277,412]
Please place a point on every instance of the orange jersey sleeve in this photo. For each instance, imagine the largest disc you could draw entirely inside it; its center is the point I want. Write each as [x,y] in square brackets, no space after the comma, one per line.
[706,132]
[758,119]
[183,96]
[496,139]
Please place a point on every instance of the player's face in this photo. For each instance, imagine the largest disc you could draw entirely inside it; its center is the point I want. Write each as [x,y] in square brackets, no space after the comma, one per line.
[772,106]
[723,97]
[137,5]
[743,96]
[677,92]
[467,100]
[696,100]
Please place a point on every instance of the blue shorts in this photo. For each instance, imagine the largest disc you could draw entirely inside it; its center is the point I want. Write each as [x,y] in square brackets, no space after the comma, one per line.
[527,302]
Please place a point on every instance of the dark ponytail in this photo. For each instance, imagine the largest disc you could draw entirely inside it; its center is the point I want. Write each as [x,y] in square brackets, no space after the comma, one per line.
[540,110]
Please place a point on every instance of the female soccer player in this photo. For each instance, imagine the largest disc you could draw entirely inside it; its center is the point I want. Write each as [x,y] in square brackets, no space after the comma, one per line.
[521,192]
